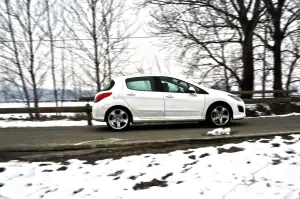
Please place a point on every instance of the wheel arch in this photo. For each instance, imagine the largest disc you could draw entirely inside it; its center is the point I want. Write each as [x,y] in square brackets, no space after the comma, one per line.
[219,103]
[121,107]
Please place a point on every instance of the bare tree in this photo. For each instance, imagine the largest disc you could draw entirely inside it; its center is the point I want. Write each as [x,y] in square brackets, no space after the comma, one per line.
[23,23]
[292,53]
[29,19]
[263,58]
[13,50]
[235,18]
[284,15]
[103,27]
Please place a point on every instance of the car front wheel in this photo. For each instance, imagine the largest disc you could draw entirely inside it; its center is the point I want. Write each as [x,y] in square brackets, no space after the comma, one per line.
[219,115]
[118,119]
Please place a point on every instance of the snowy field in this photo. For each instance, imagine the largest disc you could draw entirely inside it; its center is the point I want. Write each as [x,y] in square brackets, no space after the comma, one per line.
[255,169]
[42,104]
[50,123]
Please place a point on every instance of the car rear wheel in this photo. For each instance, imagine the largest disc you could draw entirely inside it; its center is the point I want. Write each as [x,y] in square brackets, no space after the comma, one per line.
[219,115]
[118,119]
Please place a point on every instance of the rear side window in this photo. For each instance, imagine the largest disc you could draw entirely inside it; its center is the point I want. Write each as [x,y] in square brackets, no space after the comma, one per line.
[108,86]
[139,83]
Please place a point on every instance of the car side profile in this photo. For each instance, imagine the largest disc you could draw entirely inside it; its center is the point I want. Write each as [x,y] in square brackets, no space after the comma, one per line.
[136,99]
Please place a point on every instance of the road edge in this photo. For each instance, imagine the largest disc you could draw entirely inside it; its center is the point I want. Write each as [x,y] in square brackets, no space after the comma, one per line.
[203,139]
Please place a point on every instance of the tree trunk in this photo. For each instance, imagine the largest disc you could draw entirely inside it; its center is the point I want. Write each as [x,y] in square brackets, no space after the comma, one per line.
[31,60]
[16,54]
[247,57]
[277,60]
[226,80]
[63,73]
[74,82]
[264,76]
[95,40]
[51,52]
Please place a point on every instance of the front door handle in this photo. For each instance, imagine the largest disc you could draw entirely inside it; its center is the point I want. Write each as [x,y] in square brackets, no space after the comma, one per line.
[130,94]
[169,96]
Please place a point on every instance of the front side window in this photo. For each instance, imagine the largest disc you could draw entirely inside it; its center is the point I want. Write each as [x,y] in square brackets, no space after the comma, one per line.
[139,84]
[173,85]
[177,86]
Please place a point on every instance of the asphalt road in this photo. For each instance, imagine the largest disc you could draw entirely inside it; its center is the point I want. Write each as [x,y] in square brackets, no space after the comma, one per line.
[15,137]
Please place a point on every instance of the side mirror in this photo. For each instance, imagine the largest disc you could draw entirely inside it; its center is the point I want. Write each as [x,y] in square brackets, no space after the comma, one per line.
[192,90]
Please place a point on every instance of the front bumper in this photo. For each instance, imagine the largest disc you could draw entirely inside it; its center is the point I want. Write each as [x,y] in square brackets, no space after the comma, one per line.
[239,111]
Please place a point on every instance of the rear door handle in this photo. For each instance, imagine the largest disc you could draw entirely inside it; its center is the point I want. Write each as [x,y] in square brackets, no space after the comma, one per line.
[130,94]
[169,96]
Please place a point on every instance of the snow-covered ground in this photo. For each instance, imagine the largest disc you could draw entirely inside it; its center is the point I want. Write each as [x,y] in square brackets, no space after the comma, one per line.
[261,169]
[50,123]
[42,104]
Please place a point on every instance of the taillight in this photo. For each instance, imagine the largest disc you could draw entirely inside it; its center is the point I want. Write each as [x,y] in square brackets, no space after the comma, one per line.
[102,96]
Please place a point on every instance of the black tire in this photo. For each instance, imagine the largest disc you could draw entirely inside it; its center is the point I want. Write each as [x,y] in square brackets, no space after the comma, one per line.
[118,119]
[224,115]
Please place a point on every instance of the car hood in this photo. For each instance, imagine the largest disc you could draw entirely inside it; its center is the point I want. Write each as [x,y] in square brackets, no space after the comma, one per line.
[217,92]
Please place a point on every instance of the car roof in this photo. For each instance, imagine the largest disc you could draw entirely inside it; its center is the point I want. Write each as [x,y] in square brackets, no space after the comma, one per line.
[146,75]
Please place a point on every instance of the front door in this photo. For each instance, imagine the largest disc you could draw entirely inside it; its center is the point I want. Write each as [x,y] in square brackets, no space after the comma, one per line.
[179,103]
[139,93]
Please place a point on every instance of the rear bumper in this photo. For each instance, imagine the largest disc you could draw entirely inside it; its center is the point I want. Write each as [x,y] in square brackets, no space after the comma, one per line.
[99,111]
[99,119]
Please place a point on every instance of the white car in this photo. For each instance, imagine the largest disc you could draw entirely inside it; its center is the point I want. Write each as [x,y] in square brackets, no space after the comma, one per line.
[159,98]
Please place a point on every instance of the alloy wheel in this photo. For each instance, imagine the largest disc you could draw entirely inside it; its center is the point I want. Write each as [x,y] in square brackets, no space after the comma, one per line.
[118,119]
[220,116]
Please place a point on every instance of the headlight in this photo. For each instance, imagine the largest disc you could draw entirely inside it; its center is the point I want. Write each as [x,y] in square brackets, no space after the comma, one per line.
[236,97]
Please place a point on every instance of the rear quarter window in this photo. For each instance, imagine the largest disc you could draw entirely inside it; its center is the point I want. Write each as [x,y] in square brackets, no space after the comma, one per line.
[108,86]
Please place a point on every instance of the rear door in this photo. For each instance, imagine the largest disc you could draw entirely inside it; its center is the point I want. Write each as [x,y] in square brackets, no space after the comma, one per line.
[179,103]
[140,94]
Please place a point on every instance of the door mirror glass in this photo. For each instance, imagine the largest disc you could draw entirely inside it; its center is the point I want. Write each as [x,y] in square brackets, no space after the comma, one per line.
[192,90]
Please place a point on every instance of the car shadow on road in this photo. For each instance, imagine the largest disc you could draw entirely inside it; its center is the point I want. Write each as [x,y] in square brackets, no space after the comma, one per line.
[172,126]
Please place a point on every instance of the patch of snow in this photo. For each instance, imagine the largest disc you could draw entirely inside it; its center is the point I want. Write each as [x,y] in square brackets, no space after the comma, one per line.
[259,113]
[296,103]
[219,131]
[251,107]
[284,115]
[48,123]
[260,169]
[266,106]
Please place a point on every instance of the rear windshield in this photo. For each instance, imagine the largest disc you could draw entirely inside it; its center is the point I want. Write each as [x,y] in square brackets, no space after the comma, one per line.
[108,86]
